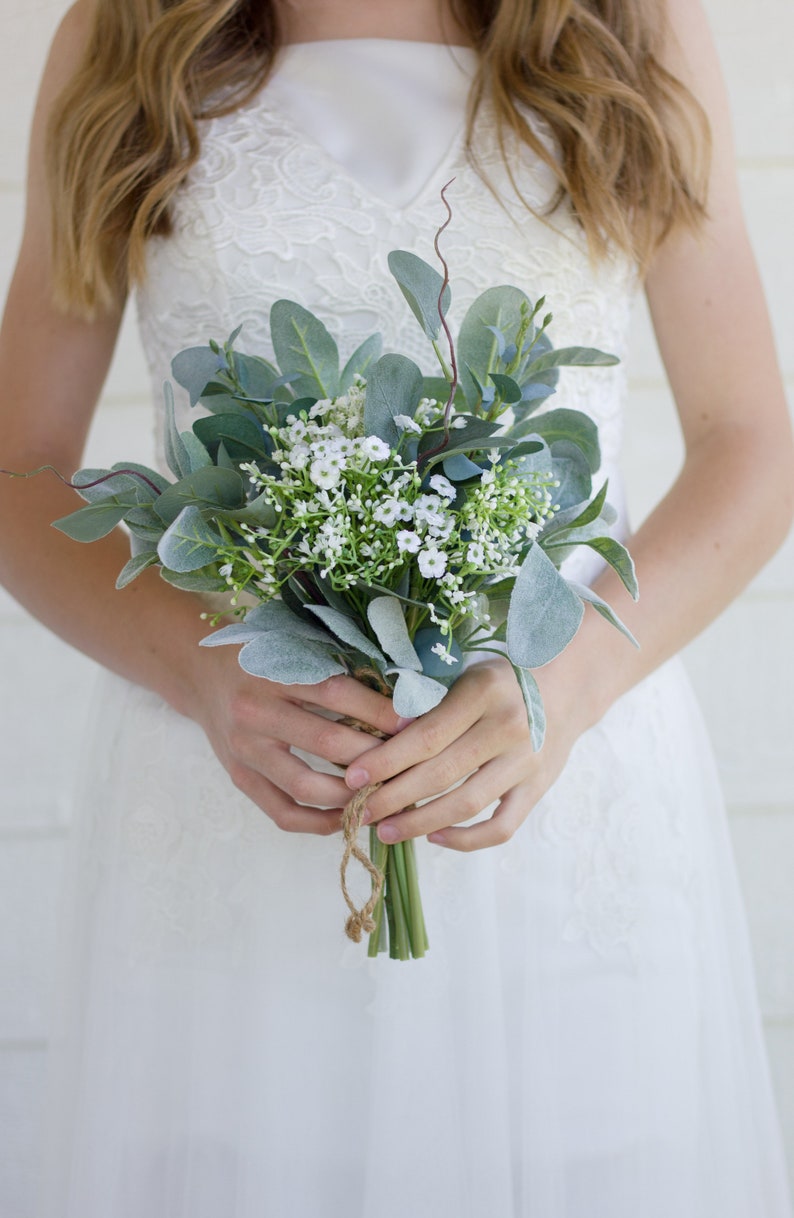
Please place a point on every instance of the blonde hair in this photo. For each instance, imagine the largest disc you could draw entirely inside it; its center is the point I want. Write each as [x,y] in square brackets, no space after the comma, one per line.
[123,135]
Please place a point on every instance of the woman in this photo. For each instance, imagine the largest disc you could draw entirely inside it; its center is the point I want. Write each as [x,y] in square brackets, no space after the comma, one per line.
[582,1039]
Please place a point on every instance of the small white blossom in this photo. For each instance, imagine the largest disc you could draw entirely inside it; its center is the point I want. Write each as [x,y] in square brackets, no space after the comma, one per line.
[325,473]
[458,424]
[225,570]
[392,510]
[440,650]
[475,554]
[408,542]
[406,423]
[442,486]
[373,447]
[432,562]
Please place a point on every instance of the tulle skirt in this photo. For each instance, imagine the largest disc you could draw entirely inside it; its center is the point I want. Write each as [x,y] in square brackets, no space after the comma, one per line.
[582,1040]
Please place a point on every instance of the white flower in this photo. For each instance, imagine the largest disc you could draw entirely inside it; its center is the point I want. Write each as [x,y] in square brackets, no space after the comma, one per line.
[458,424]
[432,562]
[475,554]
[299,457]
[440,650]
[225,570]
[392,510]
[443,486]
[407,424]
[325,473]
[373,447]
[407,542]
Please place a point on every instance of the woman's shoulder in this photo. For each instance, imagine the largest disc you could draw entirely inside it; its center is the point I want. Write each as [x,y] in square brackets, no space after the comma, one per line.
[68,46]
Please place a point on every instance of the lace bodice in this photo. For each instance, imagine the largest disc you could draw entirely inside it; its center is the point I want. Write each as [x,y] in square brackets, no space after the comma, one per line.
[290,199]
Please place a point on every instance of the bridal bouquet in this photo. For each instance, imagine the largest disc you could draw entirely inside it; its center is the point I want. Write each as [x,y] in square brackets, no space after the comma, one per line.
[374,521]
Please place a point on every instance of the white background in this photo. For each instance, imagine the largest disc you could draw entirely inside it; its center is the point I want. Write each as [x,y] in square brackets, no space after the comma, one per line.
[743,666]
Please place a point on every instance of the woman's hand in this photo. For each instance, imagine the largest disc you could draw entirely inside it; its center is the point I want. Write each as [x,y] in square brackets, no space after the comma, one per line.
[252,723]
[478,737]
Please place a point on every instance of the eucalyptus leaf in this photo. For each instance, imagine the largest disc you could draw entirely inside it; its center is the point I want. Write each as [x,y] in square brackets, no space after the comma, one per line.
[361,359]
[415,694]
[189,543]
[544,613]
[536,713]
[572,426]
[618,557]
[91,522]
[580,514]
[421,285]
[194,581]
[304,350]
[194,368]
[241,435]
[256,376]
[508,389]
[459,468]
[394,387]
[572,357]
[210,487]
[288,659]
[601,606]
[498,309]
[259,513]
[387,619]
[571,470]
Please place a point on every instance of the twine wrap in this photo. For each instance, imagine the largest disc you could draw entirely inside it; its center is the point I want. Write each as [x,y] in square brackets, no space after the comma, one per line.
[360,921]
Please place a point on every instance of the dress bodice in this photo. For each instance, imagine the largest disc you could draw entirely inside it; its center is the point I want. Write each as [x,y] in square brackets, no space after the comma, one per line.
[304,191]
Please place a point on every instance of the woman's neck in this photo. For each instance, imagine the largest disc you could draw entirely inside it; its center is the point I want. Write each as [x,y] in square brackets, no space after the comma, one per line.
[407,20]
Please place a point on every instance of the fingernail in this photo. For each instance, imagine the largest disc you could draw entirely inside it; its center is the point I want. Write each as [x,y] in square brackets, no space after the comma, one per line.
[366,817]
[389,833]
[356,777]
[437,839]
[402,723]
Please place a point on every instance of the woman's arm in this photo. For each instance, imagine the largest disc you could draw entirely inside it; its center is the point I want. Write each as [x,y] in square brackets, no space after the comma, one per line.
[51,370]
[725,516]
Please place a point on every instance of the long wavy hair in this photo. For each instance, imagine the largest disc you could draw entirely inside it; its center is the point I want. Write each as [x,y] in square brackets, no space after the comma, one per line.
[631,141]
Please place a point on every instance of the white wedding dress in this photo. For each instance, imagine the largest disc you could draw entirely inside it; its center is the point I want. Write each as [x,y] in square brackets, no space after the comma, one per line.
[583,1039]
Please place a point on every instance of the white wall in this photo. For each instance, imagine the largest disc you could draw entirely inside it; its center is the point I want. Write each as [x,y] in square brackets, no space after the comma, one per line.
[743,666]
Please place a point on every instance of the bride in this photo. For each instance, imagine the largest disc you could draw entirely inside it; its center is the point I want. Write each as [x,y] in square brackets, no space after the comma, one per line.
[582,1040]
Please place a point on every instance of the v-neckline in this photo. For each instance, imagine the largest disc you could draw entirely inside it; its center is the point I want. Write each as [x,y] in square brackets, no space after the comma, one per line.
[269,101]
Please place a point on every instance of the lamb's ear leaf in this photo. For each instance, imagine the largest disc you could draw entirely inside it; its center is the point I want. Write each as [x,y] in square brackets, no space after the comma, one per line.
[619,559]
[288,659]
[415,694]
[544,613]
[346,629]
[536,714]
[175,452]
[387,619]
[189,543]
[305,350]
[421,286]
[601,606]
[132,569]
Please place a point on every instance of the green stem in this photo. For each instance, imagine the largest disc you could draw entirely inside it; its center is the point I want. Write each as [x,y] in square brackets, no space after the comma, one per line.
[378,852]
[416,920]
[399,946]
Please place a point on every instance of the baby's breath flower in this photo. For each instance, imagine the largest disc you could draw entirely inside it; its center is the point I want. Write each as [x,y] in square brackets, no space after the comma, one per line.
[408,542]
[432,562]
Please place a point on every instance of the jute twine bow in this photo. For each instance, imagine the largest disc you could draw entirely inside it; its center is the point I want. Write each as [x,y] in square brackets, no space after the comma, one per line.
[361,921]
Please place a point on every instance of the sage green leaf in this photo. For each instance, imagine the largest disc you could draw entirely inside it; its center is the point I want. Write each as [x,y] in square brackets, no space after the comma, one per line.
[536,713]
[194,368]
[304,350]
[544,613]
[117,487]
[478,348]
[387,619]
[572,426]
[132,569]
[459,468]
[92,522]
[175,452]
[421,285]
[288,659]
[259,512]
[189,543]
[257,378]
[194,581]
[601,606]
[571,470]
[394,387]
[210,487]
[619,559]
[241,435]
[509,391]
[197,454]
[579,514]
[360,361]
[152,475]
[571,357]
[346,629]
[415,694]
[224,402]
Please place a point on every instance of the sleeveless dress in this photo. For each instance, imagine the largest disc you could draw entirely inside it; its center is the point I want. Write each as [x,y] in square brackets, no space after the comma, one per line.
[583,1039]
